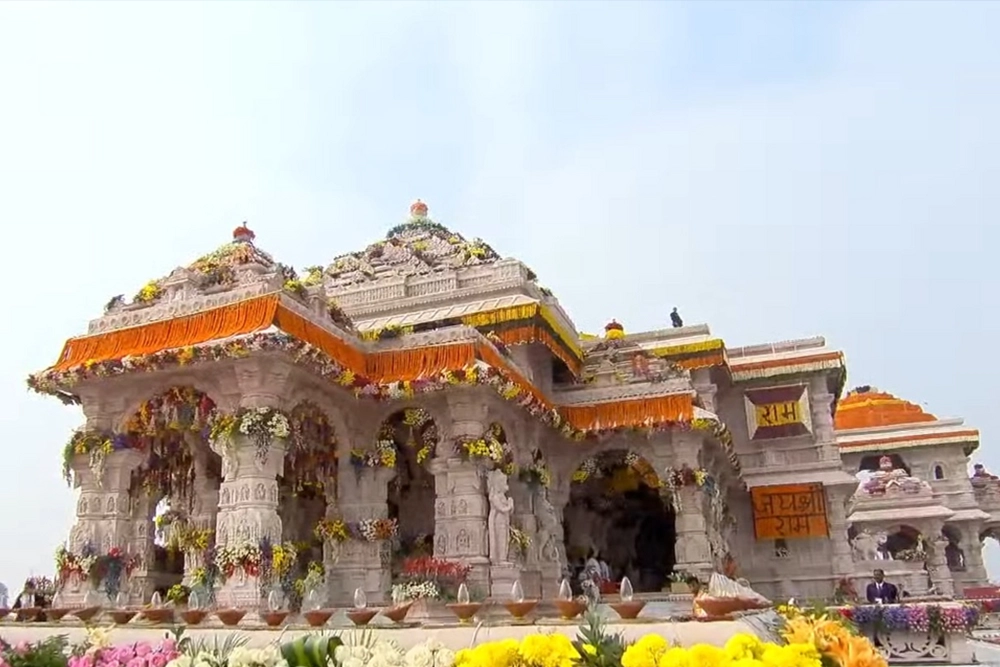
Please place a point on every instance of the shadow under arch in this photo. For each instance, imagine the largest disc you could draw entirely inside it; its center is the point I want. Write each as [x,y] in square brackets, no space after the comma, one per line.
[617,513]
[407,440]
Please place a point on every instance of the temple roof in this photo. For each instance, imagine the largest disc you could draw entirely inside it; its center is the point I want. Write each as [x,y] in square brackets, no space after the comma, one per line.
[866,407]
[417,247]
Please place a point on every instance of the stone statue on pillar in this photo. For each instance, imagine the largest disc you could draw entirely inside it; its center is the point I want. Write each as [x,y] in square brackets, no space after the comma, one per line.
[499,517]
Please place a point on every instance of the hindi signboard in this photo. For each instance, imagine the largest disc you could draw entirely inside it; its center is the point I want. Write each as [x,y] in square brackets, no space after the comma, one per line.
[785,512]
[778,412]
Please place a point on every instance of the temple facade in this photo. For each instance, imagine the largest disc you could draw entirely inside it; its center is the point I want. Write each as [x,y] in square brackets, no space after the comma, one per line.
[426,397]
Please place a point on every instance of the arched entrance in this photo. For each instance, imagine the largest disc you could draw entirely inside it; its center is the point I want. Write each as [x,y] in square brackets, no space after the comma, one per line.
[174,492]
[616,512]
[412,434]
[308,480]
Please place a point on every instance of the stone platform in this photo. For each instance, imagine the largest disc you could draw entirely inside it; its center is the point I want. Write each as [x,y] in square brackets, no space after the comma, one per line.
[453,636]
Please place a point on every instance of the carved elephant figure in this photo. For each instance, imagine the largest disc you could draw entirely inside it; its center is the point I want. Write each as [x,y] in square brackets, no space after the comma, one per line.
[867,546]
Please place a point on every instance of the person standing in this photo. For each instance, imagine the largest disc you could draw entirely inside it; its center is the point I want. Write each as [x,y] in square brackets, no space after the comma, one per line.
[881,591]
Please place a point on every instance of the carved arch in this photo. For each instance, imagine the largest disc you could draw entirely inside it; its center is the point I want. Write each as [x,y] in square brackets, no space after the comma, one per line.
[159,388]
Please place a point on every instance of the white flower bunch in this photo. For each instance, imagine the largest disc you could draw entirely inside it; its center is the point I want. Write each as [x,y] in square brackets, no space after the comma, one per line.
[415,590]
[377,653]
[268,656]
[431,653]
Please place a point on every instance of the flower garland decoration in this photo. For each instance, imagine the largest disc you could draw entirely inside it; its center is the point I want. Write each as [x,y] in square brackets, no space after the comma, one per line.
[332,530]
[366,530]
[261,425]
[423,432]
[384,456]
[492,450]
[916,553]
[520,542]
[233,557]
[74,566]
[110,570]
[919,618]
[536,475]
[675,479]
[96,446]
[311,458]
[429,577]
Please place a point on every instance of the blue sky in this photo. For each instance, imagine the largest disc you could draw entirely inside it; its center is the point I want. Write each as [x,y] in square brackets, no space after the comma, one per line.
[775,170]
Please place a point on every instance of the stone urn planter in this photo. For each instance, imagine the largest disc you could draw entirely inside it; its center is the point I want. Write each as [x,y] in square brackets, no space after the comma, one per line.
[86,614]
[464,611]
[158,615]
[318,617]
[55,615]
[361,617]
[122,616]
[397,613]
[570,609]
[274,618]
[628,611]
[230,617]
[193,616]
[520,609]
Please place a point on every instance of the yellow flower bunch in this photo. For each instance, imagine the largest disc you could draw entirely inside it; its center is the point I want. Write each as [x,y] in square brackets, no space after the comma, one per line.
[834,640]
[742,650]
[282,558]
[553,650]
[332,530]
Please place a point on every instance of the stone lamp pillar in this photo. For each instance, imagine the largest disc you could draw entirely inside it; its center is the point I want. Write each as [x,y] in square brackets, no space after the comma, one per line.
[937,566]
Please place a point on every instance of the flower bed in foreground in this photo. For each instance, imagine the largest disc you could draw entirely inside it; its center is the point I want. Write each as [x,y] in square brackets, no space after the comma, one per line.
[808,642]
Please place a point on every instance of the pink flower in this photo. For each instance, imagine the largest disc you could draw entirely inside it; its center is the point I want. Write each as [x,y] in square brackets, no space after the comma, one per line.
[159,660]
[22,648]
[3,663]
[136,662]
[168,646]
[123,654]
[143,649]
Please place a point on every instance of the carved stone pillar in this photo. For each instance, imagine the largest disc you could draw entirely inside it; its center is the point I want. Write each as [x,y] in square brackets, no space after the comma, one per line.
[248,509]
[204,510]
[363,495]
[843,558]
[975,568]
[701,378]
[461,508]
[524,519]
[141,583]
[460,514]
[692,551]
[103,511]
[550,504]
[821,401]
[937,566]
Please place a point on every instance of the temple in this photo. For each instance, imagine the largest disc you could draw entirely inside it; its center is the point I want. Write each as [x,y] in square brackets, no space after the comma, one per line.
[426,396]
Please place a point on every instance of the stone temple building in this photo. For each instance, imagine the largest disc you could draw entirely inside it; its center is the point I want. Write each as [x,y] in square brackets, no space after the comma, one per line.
[427,396]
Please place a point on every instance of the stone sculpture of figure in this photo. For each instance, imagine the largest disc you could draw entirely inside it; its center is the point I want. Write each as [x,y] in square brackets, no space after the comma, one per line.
[501,506]
[869,547]
[548,530]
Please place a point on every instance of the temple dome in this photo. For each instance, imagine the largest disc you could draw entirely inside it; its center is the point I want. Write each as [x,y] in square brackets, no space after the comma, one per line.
[867,407]
[418,246]
[219,268]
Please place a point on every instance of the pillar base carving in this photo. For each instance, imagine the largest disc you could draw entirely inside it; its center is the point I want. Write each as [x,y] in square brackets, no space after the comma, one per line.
[241,592]
[361,565]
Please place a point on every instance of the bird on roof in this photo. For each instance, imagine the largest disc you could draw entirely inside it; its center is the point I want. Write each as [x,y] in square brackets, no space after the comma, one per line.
[675,318]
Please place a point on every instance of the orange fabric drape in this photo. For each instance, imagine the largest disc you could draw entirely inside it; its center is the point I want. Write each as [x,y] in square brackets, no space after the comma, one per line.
[231,320]
[536,334]
[295,325]
[636,413]
[419,362]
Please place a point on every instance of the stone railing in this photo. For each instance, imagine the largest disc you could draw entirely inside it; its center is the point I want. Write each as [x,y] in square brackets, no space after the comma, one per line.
[918,633]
